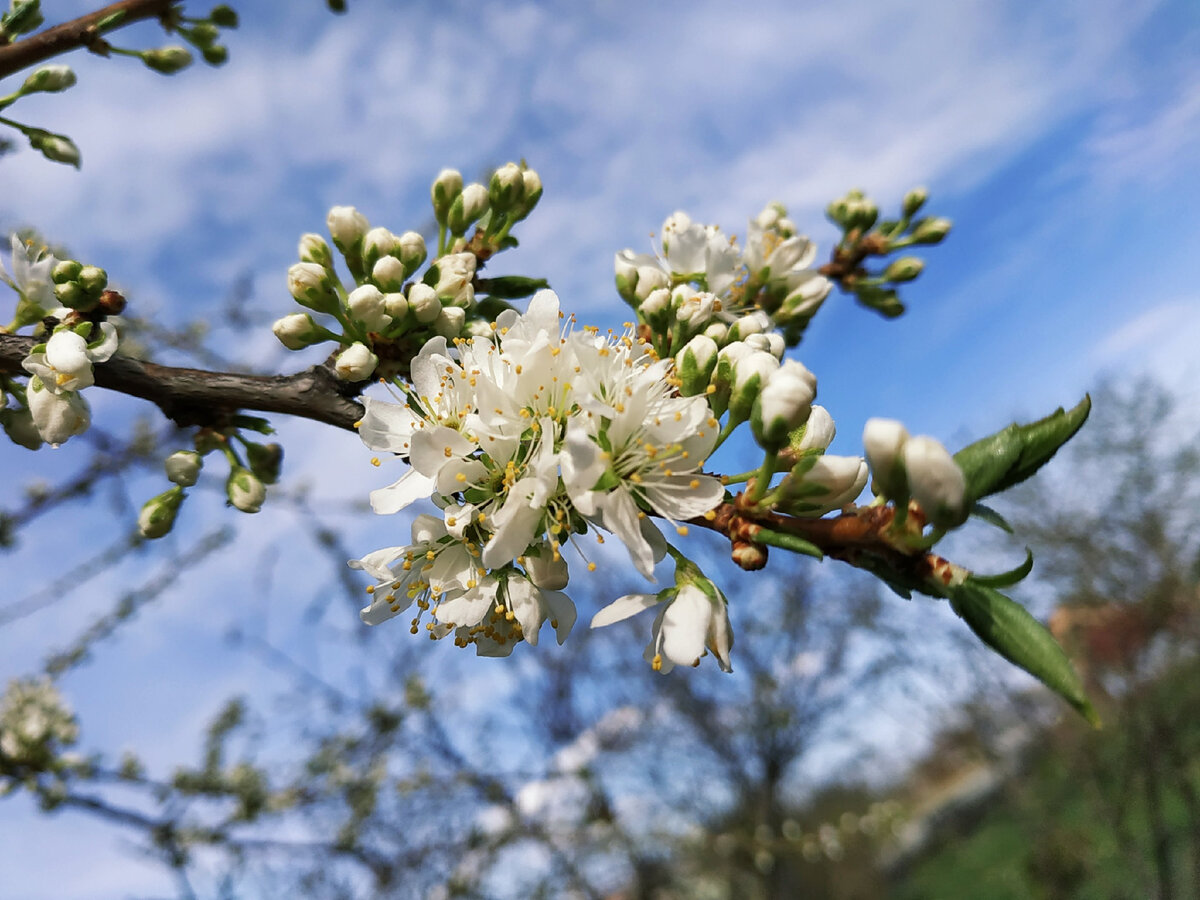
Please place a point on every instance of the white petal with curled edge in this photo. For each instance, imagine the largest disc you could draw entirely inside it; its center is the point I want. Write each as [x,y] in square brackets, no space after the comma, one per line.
[411,486]
[622,608]
[387,426]
[562,613]
[685,626]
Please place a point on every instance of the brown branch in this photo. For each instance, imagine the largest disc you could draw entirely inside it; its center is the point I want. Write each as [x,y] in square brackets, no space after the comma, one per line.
[196,397]
[81,32]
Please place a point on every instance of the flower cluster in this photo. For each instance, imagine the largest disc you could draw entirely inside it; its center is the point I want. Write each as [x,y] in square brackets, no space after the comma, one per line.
[526,438]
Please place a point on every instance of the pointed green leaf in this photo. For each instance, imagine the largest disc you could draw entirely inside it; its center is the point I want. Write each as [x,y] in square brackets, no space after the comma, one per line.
[1009,578]
[1009,629]
[511,287]
[1008,457]
[989,515]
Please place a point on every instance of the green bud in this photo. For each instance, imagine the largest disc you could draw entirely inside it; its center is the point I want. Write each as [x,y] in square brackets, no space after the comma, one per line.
[931,230]
[862,214]
[446,188]
[506,188]
[23,17]
[72,296]
[157,517]
[265,460]
[93,279]
[167,60]
[65,270]
[695,365]
[883,301]
[55,147]
[216,55]
[314,249]
[532,193]
[183,467]
[204,34]
[224,16]
[467,208]
[904,269]
[49,79]
[914,200]
[838,212]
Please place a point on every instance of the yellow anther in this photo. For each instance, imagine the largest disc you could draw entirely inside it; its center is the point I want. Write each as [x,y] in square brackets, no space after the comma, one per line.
[370,588]
[591,567]
[710,515]
[682,531]
[656,663]
[375,461]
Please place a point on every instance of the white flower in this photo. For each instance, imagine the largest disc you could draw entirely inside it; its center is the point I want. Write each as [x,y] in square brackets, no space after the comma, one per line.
[783,405]
[690,619]
[819,430]
[57,416]
[31,273]
[355,363]
[455,272]
[245,491]
[883,441]
[183,467]
[66,363]
[295,331]
[830,482]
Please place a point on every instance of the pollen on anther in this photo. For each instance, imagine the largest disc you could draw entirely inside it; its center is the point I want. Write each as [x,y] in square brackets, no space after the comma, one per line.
[375,461]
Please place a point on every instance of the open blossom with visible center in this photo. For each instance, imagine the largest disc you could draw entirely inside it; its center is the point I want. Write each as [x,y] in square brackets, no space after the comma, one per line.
[521,436]
[66,363]
[31,273]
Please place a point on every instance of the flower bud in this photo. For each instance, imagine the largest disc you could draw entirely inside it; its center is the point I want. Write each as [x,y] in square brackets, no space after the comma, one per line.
[65,270]
[770,214]
[446,188]
[655,307]
[625,270]
[649,279]
[412,250]
[936,481]
[756,322]
[424,303]
[355,363]
[183,467]
[167,60]
[313,249]
[55,147]
[296,331]
[467,207]
[904,269]
[507,187]
[92,279]
[693,309]
[783,404]
[884,440]
[722,377]
[824,483]
[49,79]
[309,284]
[348,226]
[365,305]
[718,331]
[772,343]
[914,200]
[861,213]
[72,296]
[215,54]
[450,321]
[695,364]
[931,231]
[223,16]
[750,375]
[456,272]
[396,305]
[158,513]
[818,431]
[265,460]
[57,417]
[378,242]
[389,273]
[532,192]
[245,492]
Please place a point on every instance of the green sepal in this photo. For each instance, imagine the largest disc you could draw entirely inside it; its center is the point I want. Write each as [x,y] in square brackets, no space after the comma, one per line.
[989,515]
[1009,578]
[1008,457]
[511,287]
[1009,629]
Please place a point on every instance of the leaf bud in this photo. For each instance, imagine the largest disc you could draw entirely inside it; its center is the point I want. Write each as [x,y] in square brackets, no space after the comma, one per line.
[245,492]
[265,461]
[313,249]
[931,230]
[49,79]
[183,467]
[158,513]
[355,363]
[296,331]
[914,200]
[167,60]
[446,188]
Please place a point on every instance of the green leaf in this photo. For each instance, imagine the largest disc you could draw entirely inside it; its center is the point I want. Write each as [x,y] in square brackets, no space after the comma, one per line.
[1009,578]
[989,515]
[511,287]
[1009,629]
[1008,457]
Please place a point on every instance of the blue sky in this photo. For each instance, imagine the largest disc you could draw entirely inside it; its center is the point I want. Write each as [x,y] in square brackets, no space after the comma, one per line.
[1061,139]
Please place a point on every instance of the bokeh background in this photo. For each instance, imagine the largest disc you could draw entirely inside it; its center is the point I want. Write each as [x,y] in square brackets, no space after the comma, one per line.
[1061,139]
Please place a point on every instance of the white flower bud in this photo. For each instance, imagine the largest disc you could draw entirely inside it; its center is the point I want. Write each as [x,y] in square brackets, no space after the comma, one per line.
[424,303]
[309,285]
[446,188]
[649,279]
[468,206]
[450,321]
[378,242]
[883,441]
[507,187]
[532,192]
[806,291]
[839,478]
[158,513]
[656,303]
[695,364]
[183,467]
[756,322]
[296,331]
[355,363]
[347,225]
[412,250]
[770,343]
[769,215]
[396,305]
[935,480]
[313,249]
[389,273]
[783,404]
[718,331]
[819,431]
[49,79]
[750,374]
[245,492]
[365,304]
[57,417]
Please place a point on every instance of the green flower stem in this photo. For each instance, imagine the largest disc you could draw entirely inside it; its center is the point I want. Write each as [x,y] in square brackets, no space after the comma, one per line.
[740,478]
[441,251]
[787,542]
[762,479]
